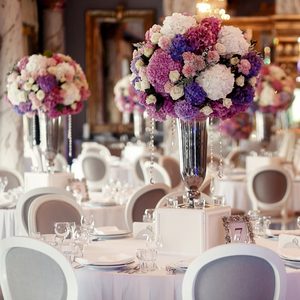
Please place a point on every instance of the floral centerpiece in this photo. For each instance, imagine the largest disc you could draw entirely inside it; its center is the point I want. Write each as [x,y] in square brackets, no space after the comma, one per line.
[126,97]
[191,69]
[274,90]
[238,127]
[53,83]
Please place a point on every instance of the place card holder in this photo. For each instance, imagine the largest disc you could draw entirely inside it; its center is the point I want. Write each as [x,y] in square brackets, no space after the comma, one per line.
[186,231]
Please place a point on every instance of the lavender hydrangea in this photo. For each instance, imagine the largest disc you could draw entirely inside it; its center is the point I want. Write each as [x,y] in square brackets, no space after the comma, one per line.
[23,108]
[185,110]
[47,83]
[242,95]
[194,94]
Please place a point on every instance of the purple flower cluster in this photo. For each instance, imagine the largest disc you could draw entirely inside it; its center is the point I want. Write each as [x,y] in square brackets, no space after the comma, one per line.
[194,94]
[178,46]
[185,110]
[242,95]
[256,63]
[47,83]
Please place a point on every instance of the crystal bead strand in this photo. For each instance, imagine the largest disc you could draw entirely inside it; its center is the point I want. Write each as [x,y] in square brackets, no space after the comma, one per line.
[220,170]
[152,127]
[173,127]
[33,131]
[211,146]
[70,136]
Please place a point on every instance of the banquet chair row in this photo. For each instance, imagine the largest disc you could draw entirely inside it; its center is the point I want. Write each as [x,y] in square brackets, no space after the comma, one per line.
[14,178]
[24,211]
[235,271]
[33,270]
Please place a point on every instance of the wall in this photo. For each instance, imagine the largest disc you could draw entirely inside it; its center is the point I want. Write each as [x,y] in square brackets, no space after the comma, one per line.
[75,32]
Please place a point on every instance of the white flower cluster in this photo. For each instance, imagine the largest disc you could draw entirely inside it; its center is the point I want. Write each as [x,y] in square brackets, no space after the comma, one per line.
[177,24]
[233,40]
[217,81]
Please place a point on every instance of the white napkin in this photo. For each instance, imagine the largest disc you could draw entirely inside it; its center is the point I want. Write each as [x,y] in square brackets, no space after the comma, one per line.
[109,230]
[289,246]
[105,259]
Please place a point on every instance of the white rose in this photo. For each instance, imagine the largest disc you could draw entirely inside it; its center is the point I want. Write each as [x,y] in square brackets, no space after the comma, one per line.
[137,86]
[148,51]
[220,49]
[151,99]
[234,61]
[34,87]
[27,86]
[155,37]
[40,95]
[176,92]
[31,80]
[240,81]
[217,81]
[144,84]
[227,102]
[174,76]
[252,81]
[70,93]
[206,110]
[139,64]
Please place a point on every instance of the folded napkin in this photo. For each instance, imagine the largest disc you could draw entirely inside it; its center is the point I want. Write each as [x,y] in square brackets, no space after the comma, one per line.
[289,246]
[109,230]
[105,259]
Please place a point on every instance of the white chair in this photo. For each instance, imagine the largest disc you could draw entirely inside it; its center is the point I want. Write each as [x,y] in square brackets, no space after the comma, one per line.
[146,197]
[269,189]
[95,169]
[49,209]
[154,171]
[34,270]
[235,272]
[96,148]
[171,165]
[25,201]
[15,179]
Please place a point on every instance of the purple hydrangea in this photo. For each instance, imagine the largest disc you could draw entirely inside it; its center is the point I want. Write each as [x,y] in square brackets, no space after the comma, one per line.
[23,108]
[47,83]
[256,63]
[185,111]
[178,46]
[132,65]
[194,94]
[242,95]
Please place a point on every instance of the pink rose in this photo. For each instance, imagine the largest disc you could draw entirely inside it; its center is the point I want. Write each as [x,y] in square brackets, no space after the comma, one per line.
[244,66]
[188,71]
[212,56]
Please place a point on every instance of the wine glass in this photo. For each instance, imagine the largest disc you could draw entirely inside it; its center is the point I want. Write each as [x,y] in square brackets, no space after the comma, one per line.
[62,230]
[3,183]
[88,223]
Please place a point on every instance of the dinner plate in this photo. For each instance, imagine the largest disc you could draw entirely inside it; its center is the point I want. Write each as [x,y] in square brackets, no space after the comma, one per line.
[106,260]
[109,231]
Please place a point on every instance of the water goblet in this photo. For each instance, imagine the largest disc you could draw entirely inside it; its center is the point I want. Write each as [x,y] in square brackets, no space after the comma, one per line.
[88,223]
[62,230]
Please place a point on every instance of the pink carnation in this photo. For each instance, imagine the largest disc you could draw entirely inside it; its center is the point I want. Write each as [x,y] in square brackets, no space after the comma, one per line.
[22,63]
[212,56]
[164,42]
[244,66]
[158,69]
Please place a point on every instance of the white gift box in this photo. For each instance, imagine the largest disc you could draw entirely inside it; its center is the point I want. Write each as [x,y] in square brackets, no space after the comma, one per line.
[186,231]
[37,180]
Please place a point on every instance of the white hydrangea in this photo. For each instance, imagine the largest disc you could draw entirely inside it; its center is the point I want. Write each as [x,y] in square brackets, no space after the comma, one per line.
[121,87]
[233,40]
[36,63]
[155,37]
[62,71]
[70,92]
[15,95]
[217,81]
[177,24]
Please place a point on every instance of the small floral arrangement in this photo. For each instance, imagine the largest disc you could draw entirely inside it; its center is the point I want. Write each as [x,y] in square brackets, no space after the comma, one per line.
[192,69]
[275,90]
[238,127]
[126,97]
[52,83]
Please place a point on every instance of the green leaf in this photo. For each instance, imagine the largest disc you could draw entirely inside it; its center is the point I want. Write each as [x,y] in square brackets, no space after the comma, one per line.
[48,53]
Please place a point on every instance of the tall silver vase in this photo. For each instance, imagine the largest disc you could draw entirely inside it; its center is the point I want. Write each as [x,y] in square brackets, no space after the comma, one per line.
[49,135]
[264,123]
[139,125]
[192,138]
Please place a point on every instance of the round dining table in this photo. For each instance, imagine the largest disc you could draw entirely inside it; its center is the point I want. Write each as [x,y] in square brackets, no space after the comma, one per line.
[96,283]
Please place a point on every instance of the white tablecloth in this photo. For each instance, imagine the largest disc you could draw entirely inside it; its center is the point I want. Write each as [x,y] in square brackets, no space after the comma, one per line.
[7,223]
[95,284]
[236,195]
